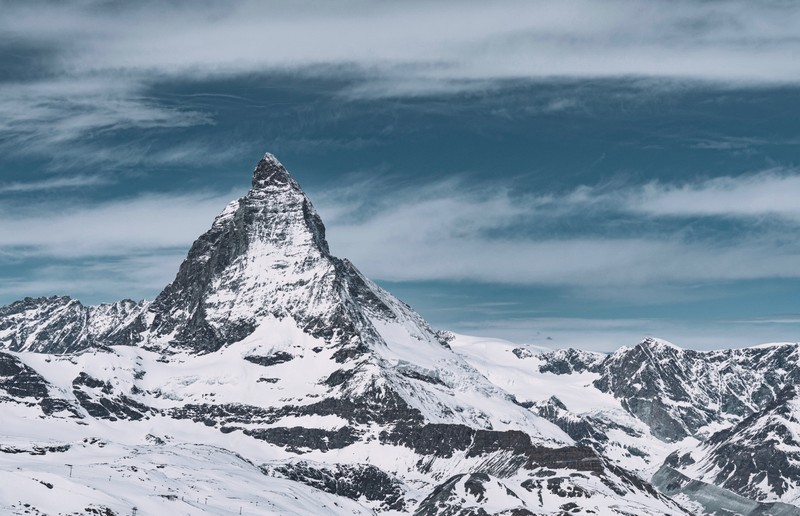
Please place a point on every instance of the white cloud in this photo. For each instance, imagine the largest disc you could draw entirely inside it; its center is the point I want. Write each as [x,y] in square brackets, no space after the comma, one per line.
[424,41]
[757,196]
[386,254]
[773,319]
[56,112]
[101,252]
[98,280]
[147,224]
[102,58]
[763,195]
[58,183]
[773,192]
[452,233]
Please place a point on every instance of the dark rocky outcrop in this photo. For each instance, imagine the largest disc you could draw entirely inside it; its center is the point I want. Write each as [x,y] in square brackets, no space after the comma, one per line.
[444,440]
[584,430]
[299,439]
[353,481]
[273,359]
[100,401]
[18,380]
[568,361]
[761,450]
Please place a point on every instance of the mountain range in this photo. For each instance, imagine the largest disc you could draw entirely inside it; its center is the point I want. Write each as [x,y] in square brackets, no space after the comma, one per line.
[271,377]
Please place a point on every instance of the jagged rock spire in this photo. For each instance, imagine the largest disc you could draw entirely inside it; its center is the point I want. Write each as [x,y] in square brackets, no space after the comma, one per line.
[270,172]
[265,254]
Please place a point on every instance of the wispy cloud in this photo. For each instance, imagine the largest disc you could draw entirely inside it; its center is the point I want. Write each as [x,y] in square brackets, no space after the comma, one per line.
[728,143]
[102,279]
[147,224]
[57,183]
[772,319]
[755,196]
[772,192]
[60,117]
[419,42]
[99,62]
[108,157]
[102,251]
[451,232]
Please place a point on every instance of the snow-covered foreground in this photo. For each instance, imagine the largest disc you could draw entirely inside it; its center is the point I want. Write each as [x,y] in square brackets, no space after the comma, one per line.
[154,479]
[159,458]
[164,461]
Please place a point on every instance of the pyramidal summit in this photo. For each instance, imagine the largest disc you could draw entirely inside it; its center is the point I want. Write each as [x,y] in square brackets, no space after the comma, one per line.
[271,377]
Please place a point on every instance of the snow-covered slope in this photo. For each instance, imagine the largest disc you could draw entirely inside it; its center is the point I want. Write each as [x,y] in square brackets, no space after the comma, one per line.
[561,386]
[107,478]
[713,427]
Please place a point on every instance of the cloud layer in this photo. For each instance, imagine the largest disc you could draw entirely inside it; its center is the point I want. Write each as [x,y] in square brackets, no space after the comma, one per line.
[448,40]
[452,233]
[607,335]
[449,231]
[81,70]
[769,193]
[122,248]
[146,224]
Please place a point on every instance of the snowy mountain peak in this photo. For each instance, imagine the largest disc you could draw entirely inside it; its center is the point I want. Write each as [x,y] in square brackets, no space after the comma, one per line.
[264,255]
[271,173]
[649,346]
[660,344]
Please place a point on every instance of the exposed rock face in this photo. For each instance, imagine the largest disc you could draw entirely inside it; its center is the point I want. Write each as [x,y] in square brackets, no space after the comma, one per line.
[100,401]
[265,254]
[749,393]
[20,381]
[584,430]
[651,375]
[567,361]
[677,392]
[352,481]
[445,441]
[759,457]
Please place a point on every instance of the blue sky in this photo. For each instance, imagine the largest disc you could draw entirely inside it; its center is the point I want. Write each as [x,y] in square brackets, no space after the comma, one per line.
[565,174]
